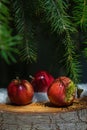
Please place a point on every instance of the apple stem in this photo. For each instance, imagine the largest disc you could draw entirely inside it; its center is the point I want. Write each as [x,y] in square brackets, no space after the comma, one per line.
[18,79]
[31,77]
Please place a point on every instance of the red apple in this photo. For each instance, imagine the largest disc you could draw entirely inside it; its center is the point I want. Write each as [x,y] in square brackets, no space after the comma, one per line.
[20,92]
[62,91]
[41,81]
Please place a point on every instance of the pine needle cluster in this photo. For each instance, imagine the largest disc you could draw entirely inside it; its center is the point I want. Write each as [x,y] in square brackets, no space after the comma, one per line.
[62,21]
[24,25]
[56,12]
[7,41]
[80,19]
[80,13]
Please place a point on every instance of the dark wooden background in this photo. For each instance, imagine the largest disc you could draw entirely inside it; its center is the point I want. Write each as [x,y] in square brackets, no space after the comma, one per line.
[46,50]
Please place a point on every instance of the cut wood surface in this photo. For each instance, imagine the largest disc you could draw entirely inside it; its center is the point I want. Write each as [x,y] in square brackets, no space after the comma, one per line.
[44,116]
[44,107]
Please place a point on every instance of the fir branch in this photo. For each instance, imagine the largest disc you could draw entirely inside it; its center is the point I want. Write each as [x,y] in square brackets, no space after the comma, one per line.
[80,13]
[60,23]
[24,25]
[80,19]
[57,16]
[7,41]
[73,68]
[28,52]
[85,48]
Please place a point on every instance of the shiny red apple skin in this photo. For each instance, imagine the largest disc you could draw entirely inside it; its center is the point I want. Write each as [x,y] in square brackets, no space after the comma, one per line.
[20,92]
[60,93]
[42,80]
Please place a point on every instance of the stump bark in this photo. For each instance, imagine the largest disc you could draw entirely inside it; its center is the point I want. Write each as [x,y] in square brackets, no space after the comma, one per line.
[44,116]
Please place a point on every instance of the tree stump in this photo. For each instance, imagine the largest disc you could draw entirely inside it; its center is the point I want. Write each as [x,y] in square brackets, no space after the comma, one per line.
[44,116]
